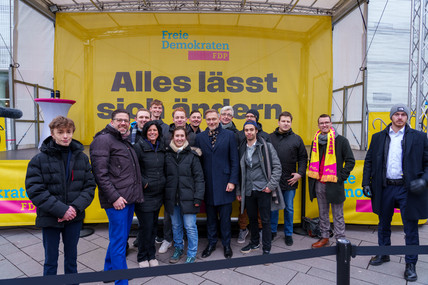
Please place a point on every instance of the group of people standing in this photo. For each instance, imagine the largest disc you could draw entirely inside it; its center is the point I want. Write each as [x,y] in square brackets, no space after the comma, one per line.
[141,166]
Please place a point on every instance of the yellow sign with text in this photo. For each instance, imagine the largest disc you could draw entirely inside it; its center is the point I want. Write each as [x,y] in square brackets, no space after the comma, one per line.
[271,63]
[17,209]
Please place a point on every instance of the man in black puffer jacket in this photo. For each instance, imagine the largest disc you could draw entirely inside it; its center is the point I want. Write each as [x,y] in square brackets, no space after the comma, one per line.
[60,184]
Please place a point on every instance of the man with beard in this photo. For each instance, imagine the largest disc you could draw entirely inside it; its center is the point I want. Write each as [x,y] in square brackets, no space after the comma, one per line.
[117,173]
[395,176]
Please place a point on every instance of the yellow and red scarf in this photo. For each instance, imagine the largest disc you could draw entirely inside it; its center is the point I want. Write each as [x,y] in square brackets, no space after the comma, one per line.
[329,171]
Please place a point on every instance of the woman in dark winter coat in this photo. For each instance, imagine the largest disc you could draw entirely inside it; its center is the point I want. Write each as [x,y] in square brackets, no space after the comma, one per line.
[151,156]
[60,184]
[185,188]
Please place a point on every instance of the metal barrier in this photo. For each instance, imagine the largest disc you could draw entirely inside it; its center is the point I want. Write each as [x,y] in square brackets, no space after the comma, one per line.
[343,251]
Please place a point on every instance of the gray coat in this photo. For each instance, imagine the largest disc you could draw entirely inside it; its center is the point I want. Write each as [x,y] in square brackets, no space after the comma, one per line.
[274,167]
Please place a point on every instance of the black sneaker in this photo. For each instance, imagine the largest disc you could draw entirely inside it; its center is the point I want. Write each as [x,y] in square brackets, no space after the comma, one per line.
[158,239]
[274,235]
[250,247]
[288,240]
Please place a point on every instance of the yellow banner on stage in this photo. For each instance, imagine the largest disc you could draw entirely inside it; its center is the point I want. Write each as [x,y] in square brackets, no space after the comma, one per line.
[16,209]
[271,63]
[357,208]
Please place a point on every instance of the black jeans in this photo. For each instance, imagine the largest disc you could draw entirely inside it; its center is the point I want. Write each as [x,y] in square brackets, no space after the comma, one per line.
[146,233]
[259,202]
[167,226]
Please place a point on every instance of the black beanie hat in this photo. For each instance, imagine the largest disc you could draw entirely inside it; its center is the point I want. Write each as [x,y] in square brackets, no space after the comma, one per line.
[255,113]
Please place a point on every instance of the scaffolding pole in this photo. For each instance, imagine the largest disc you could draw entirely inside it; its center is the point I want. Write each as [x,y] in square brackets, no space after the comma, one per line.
[417,96]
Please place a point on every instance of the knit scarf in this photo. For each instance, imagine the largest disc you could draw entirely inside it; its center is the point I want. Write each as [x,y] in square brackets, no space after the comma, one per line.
[330,169]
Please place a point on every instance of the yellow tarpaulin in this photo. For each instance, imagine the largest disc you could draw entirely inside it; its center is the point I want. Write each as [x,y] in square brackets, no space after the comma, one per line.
[271,63]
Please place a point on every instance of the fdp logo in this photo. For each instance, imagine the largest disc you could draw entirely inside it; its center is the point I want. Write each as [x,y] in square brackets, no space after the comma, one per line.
[197,50]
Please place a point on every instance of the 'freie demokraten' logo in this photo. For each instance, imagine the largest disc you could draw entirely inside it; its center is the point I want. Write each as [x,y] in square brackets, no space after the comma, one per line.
[196,50]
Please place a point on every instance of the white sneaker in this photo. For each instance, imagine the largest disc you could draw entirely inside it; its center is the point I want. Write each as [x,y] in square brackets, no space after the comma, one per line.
[165,245]
[153,262]
[143,264]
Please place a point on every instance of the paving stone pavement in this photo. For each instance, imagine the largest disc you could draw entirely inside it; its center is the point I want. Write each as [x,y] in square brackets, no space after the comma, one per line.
[21,255]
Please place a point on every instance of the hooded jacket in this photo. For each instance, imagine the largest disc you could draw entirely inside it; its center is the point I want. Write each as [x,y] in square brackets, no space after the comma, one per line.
[51,191]
[116,169]
[185,183]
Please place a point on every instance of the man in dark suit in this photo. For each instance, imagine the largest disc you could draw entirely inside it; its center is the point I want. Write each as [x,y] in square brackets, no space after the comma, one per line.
[395,176]
[221,170]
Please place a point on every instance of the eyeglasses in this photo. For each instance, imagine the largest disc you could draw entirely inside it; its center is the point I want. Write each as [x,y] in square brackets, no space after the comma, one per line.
[122,121]
[226,115]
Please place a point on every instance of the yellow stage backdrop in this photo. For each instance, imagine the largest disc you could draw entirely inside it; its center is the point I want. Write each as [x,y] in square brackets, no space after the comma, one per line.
[271,63]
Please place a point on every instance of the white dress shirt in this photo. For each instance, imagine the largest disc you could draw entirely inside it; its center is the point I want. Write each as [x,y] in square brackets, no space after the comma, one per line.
[394,167]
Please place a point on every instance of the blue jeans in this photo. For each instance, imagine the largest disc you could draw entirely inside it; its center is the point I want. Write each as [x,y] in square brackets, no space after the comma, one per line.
[288,214]
[118,230]
[189,221]
[70,237]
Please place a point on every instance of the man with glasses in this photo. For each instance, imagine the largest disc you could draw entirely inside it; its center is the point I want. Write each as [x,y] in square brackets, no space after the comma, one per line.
[253,115]
[331,161]
[117,173]
[226,117]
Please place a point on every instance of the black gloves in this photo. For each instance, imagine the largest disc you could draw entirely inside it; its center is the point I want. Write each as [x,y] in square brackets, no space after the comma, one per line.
[418,186]
[367,192]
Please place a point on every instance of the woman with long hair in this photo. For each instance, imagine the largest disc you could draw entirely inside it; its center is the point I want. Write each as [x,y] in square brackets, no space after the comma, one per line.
[185,188]
[151,156]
